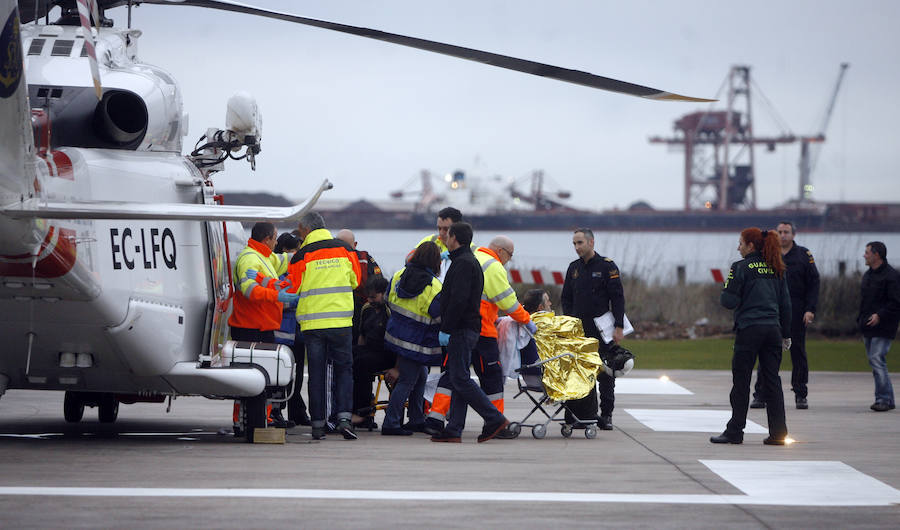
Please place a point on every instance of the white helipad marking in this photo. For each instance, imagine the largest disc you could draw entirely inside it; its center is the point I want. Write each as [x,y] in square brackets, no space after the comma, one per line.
[678,420]
[804,482]
[639,385]
[801,484]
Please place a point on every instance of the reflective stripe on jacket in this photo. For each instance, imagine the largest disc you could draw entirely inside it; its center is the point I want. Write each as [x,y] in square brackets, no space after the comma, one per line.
[497,293]
[412,330]
[326,271]
[255,306]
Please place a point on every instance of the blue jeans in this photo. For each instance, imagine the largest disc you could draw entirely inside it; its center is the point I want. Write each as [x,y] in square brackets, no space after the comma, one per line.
[322,345]
[876,350]
[410,385]
[465,392]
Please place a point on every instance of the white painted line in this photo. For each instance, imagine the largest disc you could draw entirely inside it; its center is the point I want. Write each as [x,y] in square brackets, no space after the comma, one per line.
[459,496]
[639,385]
[804,482]
[690,420]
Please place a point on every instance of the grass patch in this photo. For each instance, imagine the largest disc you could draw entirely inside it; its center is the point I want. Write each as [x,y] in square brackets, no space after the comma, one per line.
[715,354]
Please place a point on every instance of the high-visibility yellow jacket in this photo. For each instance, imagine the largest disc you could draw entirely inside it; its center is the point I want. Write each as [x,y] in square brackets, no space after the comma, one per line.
[326,271]
[497,293]
[412,330]
[434,239]
[256,306]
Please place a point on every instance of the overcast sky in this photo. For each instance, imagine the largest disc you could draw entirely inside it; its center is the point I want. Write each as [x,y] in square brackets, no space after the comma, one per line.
[370,115]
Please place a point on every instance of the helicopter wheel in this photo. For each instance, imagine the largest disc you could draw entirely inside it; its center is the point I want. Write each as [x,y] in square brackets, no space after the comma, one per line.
[73,407]
[107,408]
[254,414]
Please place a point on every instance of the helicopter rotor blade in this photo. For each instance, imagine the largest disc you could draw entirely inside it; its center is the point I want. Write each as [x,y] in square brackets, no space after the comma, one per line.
[502,61]
[85,12]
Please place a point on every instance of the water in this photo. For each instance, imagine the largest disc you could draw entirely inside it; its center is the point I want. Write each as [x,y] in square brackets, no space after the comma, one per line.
[653,256]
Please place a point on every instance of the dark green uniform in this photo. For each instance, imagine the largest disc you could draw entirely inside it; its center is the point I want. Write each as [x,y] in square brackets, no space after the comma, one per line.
[762,317]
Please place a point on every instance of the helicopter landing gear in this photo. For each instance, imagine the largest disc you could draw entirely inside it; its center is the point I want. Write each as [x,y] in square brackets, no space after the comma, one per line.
[73,407]
[106,403]
[254,414]
[107,408]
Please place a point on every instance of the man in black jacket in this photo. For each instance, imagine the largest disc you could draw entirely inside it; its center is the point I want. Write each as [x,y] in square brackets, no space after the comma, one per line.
[879,315]
[593,287]
[803,283]
[460,327]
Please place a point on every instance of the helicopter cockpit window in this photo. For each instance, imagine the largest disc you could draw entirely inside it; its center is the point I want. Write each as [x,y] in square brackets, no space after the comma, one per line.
[62,48]
[37,46]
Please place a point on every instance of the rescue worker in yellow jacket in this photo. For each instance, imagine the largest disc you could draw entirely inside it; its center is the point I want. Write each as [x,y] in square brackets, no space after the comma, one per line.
[325,271]
[257,303]
[446,217]
[497,295]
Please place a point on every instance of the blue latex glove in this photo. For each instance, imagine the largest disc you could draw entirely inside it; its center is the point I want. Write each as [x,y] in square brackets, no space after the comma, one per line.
[531,327]
[251,274]
[443,338]
[288,298]
[445,254]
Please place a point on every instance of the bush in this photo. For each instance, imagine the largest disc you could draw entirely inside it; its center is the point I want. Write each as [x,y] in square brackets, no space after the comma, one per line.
[693,310]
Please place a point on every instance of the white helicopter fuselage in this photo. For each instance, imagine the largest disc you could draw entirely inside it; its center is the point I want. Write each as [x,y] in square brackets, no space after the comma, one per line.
[119,289]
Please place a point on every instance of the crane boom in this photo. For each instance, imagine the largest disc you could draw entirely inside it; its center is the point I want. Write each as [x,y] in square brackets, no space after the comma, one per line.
[807,161]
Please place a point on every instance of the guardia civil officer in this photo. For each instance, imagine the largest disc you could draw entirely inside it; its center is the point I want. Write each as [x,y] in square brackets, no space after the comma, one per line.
[592,287]
[757,290]
[803,282]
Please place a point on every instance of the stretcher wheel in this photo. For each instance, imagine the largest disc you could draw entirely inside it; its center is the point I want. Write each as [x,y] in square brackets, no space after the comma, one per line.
[566,430]
[515,428]
[539,431]
[590,432]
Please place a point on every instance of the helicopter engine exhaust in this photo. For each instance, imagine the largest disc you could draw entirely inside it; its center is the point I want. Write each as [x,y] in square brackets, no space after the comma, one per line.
[120,117]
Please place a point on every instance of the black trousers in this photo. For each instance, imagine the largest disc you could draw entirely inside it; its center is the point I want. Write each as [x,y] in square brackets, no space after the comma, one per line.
[764,343]
[586,408]
[800,370]
[366,362]
[252,335]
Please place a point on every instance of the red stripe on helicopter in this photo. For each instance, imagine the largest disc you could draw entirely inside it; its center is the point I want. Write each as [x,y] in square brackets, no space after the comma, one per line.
[56,257]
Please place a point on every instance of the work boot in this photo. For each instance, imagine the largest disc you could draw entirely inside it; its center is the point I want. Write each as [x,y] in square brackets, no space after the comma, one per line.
[881,406]
[773,441]
[279,421]
[605,423]
[491,431]
[414,427]
[757,404]
[444,436]
[346,429]
[802,404]
[318,433]
[433,426]
[395,431]
[726,438]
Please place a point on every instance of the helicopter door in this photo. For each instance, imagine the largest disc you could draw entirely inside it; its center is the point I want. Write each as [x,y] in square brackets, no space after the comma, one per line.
[222,287]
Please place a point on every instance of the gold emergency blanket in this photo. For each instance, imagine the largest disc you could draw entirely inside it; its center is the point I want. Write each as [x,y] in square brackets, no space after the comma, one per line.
[569,377]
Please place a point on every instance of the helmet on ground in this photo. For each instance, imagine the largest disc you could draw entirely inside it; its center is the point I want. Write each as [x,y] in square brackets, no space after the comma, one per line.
[617,361]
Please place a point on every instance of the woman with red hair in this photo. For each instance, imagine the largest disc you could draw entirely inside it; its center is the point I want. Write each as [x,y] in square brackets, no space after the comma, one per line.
[757,290]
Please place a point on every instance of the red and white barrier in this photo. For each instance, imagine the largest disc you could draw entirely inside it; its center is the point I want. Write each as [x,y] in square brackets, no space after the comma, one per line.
[536,276]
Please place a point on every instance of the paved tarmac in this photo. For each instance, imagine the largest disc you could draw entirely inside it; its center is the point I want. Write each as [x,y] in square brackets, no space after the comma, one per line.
[151,469]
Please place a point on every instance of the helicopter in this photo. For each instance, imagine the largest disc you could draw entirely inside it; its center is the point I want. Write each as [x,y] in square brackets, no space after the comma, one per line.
[115,265]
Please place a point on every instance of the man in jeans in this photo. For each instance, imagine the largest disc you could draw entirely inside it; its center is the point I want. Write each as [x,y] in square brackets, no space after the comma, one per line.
[879,315]
[460,327]
[326,271]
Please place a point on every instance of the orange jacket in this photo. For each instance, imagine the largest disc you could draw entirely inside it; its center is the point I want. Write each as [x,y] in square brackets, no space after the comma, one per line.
[497,294]
[256,306]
